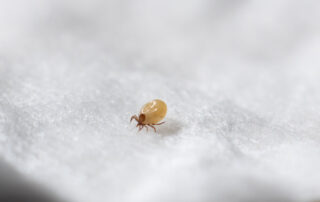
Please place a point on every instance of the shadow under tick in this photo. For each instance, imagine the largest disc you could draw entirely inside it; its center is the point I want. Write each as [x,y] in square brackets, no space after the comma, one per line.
[170,127]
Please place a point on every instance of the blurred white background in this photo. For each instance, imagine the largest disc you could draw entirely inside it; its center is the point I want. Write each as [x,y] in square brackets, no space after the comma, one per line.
[241,80]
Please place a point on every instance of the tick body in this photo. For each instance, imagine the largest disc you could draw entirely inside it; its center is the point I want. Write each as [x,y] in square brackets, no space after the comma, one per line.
[151,114]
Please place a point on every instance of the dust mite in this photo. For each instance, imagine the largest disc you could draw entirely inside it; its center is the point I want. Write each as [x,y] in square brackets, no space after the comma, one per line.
[151,114]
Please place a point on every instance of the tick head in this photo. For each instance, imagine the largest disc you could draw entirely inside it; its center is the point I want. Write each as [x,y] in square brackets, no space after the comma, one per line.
[142,117]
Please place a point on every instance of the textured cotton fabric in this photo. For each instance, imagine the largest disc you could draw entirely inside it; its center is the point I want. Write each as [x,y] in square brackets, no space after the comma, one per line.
[241,80]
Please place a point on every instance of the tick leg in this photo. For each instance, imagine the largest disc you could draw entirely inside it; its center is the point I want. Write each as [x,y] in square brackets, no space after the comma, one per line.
[154,128]
[134,117]
[140,127]
[145,126]
[159,123]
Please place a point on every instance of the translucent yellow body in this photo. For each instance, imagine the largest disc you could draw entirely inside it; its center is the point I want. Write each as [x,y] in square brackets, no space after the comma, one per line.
[154,111]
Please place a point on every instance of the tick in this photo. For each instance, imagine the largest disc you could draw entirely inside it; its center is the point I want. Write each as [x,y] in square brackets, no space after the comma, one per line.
[151,114]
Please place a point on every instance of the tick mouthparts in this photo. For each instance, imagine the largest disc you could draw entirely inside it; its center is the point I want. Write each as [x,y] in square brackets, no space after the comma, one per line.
[142,117]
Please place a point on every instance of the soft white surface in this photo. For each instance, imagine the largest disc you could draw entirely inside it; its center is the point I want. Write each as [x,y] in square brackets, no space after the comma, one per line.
[241,80]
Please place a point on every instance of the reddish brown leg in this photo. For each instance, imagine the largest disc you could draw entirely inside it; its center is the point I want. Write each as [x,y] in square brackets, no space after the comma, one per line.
[134,117]
[140,127]
[154,128]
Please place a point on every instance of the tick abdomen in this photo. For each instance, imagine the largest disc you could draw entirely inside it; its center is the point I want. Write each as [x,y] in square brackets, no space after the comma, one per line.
[154,111]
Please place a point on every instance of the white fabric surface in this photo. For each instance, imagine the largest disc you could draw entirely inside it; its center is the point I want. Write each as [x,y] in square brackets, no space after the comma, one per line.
[241,80]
